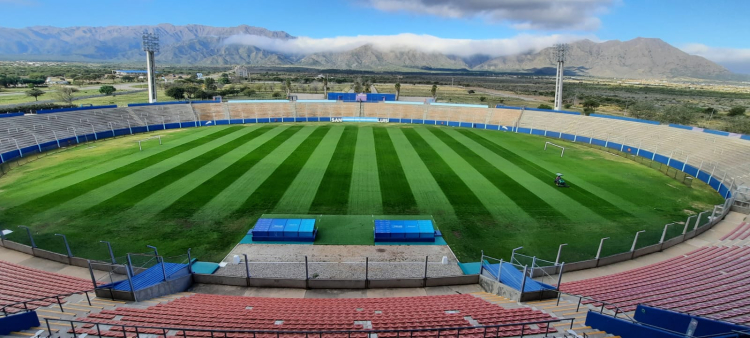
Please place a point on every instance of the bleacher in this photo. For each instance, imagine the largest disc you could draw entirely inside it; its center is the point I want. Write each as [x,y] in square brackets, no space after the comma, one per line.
[712,281]
[19,284]
[218,312]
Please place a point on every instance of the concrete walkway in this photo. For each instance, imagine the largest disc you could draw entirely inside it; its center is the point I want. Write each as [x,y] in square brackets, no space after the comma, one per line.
[708,238]
[23,259]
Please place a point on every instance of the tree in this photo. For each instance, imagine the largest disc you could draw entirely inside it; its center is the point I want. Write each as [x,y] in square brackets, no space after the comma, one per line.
[737,111]
[127,78]
[176,92]
[36,93]
[325,86]
[65,93]
[544,106]
[107,90]
[111,77]
[644,110]
[224,80]
[288,86]
[482,98]
[357,86]
[248,92]
[190,90]
[471,91]
[276,95]
[209,83]
[589,103]
[680,114]
[588,111]
[398,90]
[434,91]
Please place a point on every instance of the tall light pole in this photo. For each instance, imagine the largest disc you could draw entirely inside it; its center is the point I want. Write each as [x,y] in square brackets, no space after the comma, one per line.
[151,46]
[559,55]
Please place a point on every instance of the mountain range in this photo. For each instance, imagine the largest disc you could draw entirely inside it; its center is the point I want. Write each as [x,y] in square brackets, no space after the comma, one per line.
[640,58]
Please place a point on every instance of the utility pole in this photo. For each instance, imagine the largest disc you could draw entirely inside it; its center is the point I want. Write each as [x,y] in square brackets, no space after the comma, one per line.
[559,55]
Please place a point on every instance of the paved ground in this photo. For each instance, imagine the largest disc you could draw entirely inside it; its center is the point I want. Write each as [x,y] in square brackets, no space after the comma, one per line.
[342,261]
[338,293]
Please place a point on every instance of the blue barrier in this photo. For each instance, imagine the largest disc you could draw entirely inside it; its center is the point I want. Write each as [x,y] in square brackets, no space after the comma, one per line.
[680,126]
[625,329]
[453,124]
[679,322]
[11,115]
[417,121]
[151,276]
[716,132]
[18,322]
[358,119]
[465,124]
[745,137]
[622,118]
[510,276]
[60,110]
[430,122]
[157,103]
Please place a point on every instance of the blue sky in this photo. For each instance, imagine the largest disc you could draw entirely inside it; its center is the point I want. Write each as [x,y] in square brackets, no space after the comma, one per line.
[714,29]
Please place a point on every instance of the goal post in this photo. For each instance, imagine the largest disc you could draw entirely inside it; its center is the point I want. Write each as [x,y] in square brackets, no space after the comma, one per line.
[555,145]
[140,146]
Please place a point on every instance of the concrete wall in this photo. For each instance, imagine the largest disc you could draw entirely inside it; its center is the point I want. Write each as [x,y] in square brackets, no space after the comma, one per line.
[18,247]
[396,283]
[221,280]
[335,284]
[453,280]
[52,256]
[613,259]
[496,288]
[165,288]
[672,242]
[582,265]
[647,250]
[116,294]
[277,283]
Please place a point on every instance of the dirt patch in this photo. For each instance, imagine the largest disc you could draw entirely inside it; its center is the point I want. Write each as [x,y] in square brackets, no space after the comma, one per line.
[457,234]
[689,212]
[380,250]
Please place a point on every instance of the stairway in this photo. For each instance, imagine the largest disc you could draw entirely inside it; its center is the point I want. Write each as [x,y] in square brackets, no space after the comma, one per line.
[566,309]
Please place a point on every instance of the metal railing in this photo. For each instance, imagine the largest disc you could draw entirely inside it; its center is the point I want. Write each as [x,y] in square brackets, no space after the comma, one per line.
[27,302]
[446,332]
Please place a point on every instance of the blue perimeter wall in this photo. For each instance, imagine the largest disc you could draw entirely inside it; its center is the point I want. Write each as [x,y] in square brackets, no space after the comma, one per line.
[689,169]
[18,322]
[655,322]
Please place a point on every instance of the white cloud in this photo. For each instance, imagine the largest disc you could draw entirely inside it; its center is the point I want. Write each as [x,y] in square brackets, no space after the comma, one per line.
[734,59]
[521,14]
[524,43]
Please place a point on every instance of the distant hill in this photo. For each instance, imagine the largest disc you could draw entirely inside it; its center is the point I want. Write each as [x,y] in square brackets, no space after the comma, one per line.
[198,44]
[637,58]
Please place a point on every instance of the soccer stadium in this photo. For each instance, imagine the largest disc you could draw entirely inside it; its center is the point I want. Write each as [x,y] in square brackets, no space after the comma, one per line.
[369,217]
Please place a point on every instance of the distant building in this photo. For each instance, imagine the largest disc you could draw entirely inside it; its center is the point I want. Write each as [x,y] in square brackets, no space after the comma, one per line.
[241,71]
[130,72]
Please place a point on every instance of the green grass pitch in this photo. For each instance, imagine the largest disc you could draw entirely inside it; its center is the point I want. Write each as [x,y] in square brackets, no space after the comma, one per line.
[204,188]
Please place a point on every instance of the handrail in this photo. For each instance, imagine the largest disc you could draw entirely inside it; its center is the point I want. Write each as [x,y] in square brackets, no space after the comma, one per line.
[59,303]
[580,298]
[224,333]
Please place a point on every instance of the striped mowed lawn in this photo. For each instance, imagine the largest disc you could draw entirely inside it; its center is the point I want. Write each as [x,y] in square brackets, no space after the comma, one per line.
[205,187]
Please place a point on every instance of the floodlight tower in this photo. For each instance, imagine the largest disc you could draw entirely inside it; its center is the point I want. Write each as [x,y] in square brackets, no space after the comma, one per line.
[151,46]
[560,51]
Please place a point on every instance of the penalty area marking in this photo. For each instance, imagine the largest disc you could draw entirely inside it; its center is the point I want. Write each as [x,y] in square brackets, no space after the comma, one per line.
[555,145]
[147,139]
